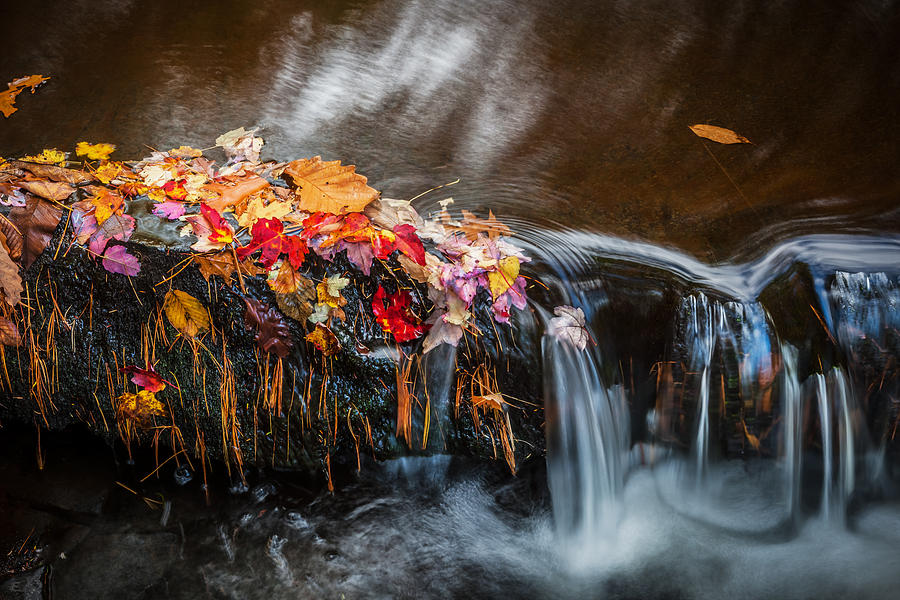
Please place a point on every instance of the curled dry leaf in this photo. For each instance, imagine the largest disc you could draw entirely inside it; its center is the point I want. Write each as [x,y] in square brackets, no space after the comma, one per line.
[185,313]
[273,334]
[324,339]
[37,221]
[326,186]
[719,134]
[569,326]
[9,333]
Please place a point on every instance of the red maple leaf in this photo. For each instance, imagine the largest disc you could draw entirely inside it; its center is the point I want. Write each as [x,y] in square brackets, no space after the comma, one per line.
[393,314]
[222,233]
[408,242]
[148,379]
[269,238]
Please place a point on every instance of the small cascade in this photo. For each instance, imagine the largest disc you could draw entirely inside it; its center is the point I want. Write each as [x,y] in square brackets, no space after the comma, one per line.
[836,423]
[792,413]
[587,444]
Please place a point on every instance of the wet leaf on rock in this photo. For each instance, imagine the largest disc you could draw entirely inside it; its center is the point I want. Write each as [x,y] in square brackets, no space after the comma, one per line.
[37,221]
[9,333]
[273,334]
[324,339]
[185,313]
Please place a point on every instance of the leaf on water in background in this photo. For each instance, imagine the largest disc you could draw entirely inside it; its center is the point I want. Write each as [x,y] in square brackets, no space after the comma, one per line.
[37,221]
[326,186]
[569,326]
[94,151]
[9,333]
[14,88]
[185,313]
[229,195]
[503,278]
[51,190]
[117,259]
[472,226]
[169,210]
[273,335]
[324,339]
[185,152]
[148,379]
[52,172]
[719,134]
[240,144]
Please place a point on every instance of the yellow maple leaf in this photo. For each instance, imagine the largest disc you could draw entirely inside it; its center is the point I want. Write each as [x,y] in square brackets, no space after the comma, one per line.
[106,204]
[504,277]
[185,313]
[94,151]
[139,408]
[323,291]
[50,156]
[324,339]
[108,171]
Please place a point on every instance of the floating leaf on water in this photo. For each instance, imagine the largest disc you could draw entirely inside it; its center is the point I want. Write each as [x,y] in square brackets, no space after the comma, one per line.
[94,151]
[719,134]
[327,186]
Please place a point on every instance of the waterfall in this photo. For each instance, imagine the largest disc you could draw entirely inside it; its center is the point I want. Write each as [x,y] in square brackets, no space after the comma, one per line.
[587,444]
[791,407]
[836,410]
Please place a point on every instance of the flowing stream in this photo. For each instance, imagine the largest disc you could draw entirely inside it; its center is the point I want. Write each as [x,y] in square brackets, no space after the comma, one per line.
[733,431]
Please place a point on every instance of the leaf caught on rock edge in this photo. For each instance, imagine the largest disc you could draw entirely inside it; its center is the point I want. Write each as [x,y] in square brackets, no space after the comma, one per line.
[105,203]
[503,278]
[273,334]
[185,313]
[324,339]
[326,186]
[12,238]
[718,134]
[10,281]
[117,259]
[569,326]
[9,333]
[287,280]
[139,408]
[298,305]
[269,238]
[118,227]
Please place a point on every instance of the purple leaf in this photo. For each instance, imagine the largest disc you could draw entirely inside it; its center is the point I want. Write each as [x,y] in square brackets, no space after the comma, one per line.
[117,227]
[361,255]
[169,210]
[116,259]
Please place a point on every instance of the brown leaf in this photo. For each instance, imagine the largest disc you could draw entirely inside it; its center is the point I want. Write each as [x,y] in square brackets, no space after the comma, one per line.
[37,221]
[289,280]
[9,333]
[12,238]
[51,190]
[297,305]
[719,134]
[52,172]
[232,194]
[10,281]
[472,226]
[324,339]
[326,186]
[273,333]
[222,264]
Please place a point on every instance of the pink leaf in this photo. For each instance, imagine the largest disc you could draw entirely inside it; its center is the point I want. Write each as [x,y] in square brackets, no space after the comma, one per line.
[117,227]
[116,259]
[169,210]
[361,255]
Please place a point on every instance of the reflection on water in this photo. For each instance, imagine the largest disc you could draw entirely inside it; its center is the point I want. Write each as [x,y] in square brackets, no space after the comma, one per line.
[572,112]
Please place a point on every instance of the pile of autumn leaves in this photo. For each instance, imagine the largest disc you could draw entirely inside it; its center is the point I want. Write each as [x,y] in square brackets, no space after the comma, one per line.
[250,218]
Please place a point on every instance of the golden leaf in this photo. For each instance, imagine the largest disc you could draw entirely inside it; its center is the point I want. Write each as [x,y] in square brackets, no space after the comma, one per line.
[326,186]
[9,333]
[51,190]
[139,407]
[47,157]
[256,210]
[324,339]
[108,171]
[325,297]
[504,277]
[106,204]
[14,88]
[186,313]
[185,152]
[719,134]
[94,151]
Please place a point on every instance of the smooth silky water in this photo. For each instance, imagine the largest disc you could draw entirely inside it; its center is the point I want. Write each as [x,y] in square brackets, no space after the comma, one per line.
[731,434]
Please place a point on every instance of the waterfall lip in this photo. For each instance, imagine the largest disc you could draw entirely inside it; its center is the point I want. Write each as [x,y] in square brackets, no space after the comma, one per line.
[743,281]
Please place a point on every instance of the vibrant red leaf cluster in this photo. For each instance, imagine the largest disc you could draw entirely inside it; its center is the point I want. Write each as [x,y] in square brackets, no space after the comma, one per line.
[392,311]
